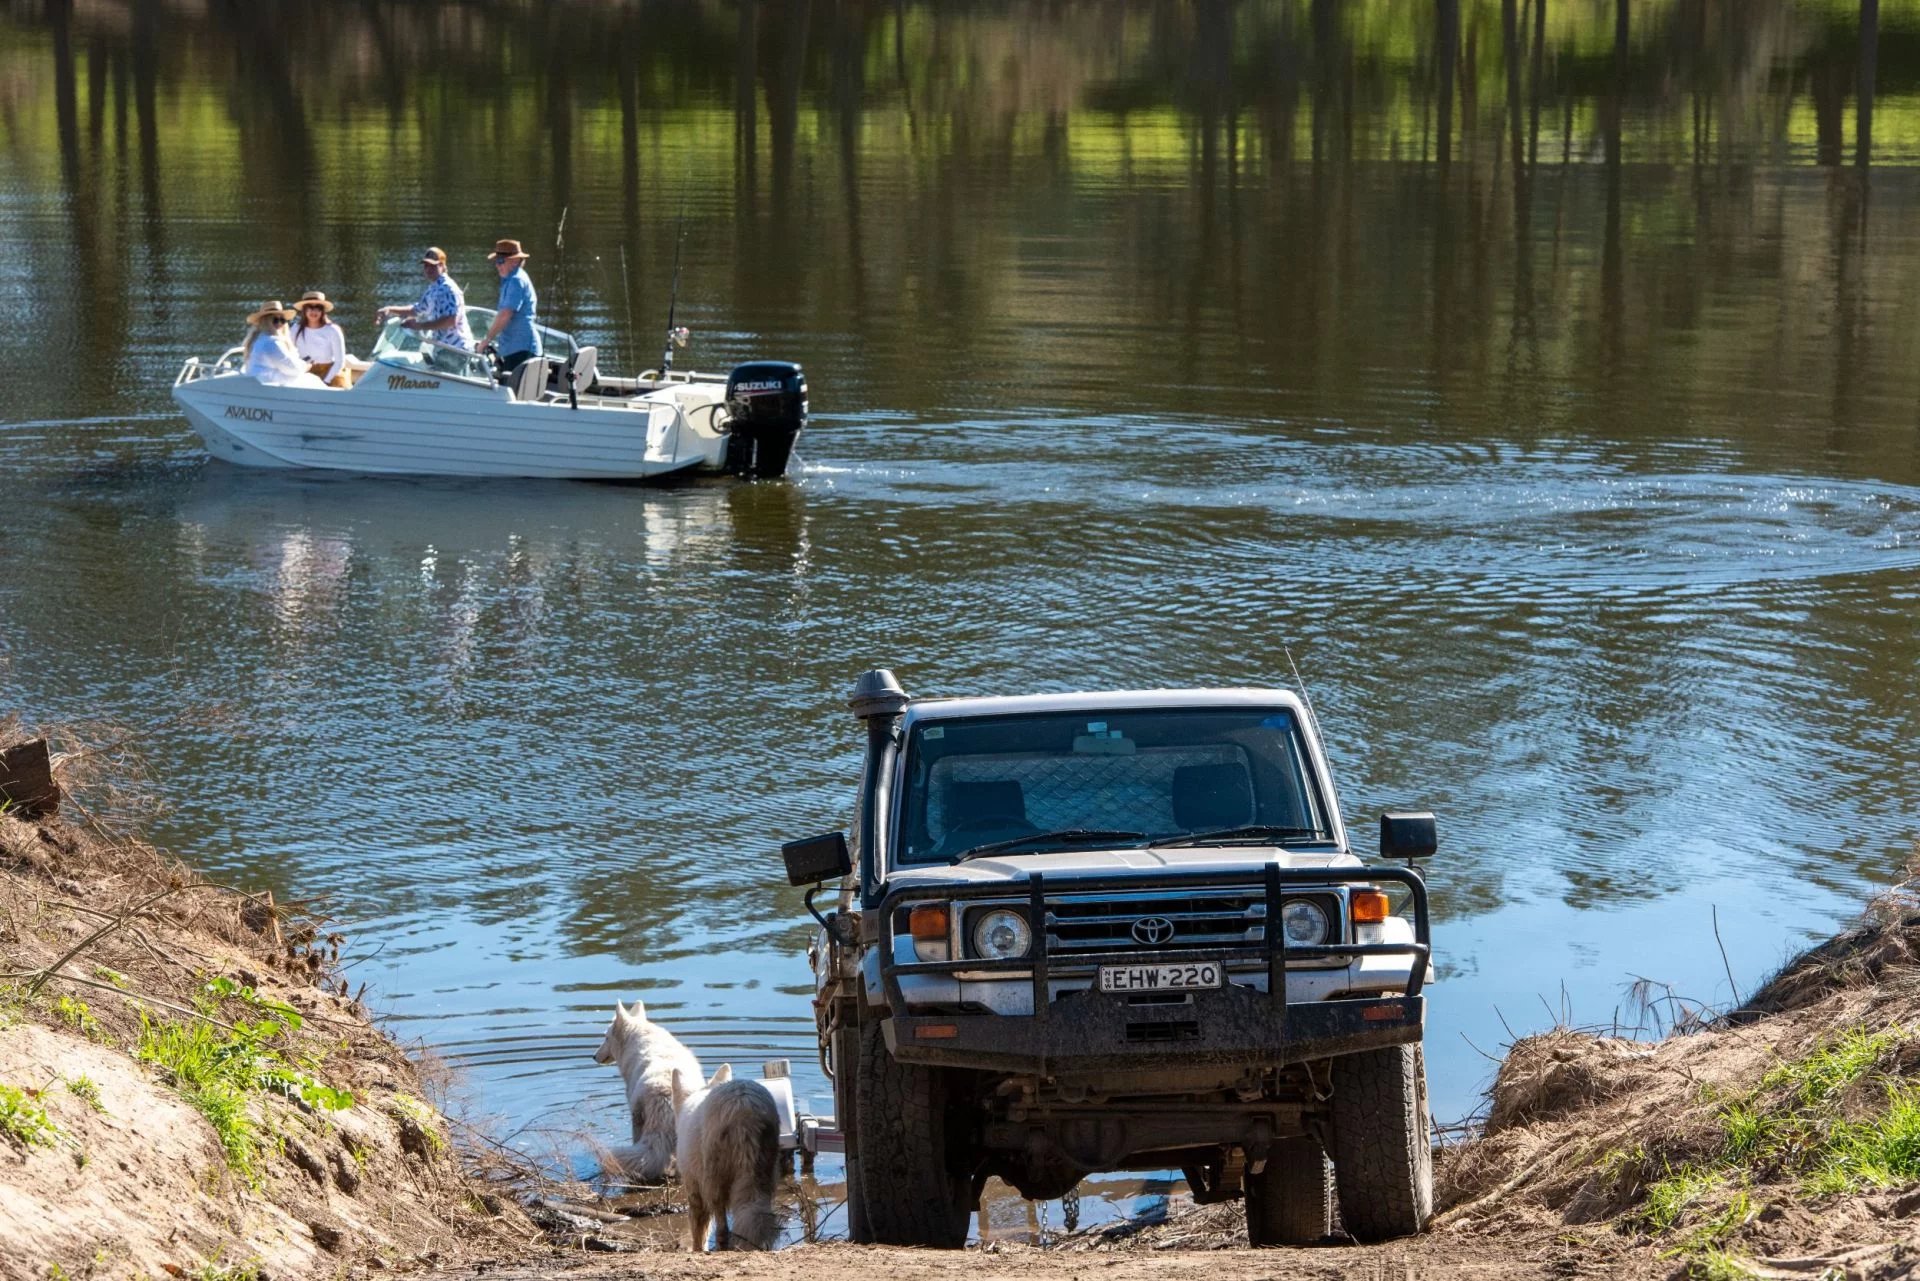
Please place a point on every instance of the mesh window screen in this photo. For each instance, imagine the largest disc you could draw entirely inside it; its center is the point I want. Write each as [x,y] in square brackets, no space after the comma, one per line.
[1133,792]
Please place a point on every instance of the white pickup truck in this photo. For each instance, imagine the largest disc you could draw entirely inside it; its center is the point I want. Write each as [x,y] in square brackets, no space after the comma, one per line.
[1051,955]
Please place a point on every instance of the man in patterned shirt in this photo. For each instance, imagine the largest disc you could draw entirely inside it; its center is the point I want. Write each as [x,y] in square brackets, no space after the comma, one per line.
[441,311]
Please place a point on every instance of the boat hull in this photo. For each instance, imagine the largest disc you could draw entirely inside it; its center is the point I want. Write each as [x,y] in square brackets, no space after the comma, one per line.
[414,423]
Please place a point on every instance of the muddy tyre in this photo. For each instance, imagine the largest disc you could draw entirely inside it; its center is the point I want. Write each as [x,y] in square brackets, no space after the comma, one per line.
[846,1072]
[916,1184]
[1290,1202]
[1382,1152]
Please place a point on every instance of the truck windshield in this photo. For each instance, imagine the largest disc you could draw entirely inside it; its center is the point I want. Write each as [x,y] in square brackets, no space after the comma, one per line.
[1157,773]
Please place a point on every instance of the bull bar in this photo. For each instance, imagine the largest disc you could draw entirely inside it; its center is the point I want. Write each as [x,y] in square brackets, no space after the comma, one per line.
[1092,1031]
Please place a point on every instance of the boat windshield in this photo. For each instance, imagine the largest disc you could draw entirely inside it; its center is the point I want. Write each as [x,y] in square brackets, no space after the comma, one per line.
[398,345]
[1130,777]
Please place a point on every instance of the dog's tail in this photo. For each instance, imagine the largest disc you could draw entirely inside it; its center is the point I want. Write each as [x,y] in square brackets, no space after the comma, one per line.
[745,1148]
[647,1161]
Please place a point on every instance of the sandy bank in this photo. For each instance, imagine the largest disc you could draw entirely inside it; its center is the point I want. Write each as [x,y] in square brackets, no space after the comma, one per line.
[185,1088]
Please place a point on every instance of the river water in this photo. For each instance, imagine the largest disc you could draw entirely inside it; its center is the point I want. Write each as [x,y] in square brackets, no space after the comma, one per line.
[1551,390]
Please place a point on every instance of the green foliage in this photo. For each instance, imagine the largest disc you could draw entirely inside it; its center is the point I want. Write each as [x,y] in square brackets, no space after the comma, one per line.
[1824,1073]
[1712,1234]
[1669,1197]
[77,1015]
[86,1090]
[229,989]
[214,1270]
[1883,1151]
[23,1120]
[220,1072]
[1718,1265]
[107,974]
[422,1115]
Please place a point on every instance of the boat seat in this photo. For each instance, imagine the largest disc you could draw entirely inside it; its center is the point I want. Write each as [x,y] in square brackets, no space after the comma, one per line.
[531,382]
[586,363]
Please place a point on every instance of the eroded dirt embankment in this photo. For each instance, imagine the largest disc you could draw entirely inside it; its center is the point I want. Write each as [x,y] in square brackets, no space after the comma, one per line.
[187,1089]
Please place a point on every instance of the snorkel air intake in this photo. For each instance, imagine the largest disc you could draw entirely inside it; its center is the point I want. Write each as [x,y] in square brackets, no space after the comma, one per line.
[878,700]
[766,408]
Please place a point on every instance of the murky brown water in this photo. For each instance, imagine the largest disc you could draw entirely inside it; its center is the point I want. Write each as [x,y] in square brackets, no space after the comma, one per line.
[1566,423]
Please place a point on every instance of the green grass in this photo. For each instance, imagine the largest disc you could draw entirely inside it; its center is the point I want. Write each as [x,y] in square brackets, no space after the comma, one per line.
[86,1090]
[77,1015]
[1881,1152]
[422,1115]
[25,1121]
[222,1072]
[1670,1197]
[1718,1265]
[1826,1072]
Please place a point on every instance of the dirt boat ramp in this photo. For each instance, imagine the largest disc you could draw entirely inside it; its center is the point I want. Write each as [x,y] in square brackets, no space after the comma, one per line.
[189,1090]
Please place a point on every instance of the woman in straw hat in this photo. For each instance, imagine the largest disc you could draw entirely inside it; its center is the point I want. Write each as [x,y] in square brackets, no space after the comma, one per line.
[270,355]
[318,340]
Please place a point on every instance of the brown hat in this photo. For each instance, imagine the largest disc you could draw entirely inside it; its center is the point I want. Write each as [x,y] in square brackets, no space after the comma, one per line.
[271,309]
[507,249]
[313,298]
[435,255]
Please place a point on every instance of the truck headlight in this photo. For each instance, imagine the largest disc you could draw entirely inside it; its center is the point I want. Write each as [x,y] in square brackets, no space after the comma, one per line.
[1001,935]
[1304,922]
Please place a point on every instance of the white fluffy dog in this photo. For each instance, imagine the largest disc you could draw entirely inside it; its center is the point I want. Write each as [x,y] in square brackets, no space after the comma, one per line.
[729,1154]
[649,1057]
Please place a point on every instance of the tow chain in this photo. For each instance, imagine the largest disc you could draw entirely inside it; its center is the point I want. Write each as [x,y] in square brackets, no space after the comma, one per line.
[1070,1209]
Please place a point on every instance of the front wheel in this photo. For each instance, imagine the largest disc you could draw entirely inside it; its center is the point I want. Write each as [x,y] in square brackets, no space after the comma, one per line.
[915,1175]
[1290,1201]
[1382,1153]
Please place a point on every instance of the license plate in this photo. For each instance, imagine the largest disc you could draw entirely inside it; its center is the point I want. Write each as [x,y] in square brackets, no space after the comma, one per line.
[1159,978]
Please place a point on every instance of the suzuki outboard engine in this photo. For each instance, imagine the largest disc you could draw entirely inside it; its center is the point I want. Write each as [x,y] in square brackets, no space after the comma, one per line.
[766,408]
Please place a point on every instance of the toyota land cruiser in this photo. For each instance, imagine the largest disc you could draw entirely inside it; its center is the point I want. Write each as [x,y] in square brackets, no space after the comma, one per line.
[1121,931]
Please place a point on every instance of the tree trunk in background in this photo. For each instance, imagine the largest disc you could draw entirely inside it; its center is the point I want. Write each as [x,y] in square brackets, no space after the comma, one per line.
[1448,53]
[1869,67]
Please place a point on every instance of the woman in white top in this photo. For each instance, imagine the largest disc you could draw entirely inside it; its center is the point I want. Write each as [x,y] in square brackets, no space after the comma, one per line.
[270,354]
[318,340]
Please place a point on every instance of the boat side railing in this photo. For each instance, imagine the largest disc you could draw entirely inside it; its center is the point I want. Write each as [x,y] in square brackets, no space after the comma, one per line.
[229,362]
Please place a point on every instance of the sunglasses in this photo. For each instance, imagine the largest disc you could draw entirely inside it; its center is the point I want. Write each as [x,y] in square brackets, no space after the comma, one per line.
[276,320]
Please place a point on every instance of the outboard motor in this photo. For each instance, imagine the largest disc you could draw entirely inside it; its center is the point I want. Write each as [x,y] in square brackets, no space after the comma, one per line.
[766,408]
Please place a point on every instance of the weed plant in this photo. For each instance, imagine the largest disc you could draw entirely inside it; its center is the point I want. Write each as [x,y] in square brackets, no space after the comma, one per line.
[87,1090]
[222,1072]
[23,1120]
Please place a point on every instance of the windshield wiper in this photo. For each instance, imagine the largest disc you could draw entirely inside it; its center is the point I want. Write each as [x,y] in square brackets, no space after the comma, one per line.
[1065,836]
[1240,835]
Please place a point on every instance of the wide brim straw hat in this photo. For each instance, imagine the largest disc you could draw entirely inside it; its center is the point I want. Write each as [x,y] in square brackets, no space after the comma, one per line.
[272,309]
[507,249]
[313,298]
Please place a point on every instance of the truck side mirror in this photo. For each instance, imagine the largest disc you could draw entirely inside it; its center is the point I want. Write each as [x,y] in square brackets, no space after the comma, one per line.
[1408,834]
[816,859]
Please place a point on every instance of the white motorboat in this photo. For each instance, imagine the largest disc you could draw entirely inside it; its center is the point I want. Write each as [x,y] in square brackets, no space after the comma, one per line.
[418,407]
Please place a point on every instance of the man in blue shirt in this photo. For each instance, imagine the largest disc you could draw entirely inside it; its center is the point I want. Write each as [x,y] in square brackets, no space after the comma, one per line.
[512,333]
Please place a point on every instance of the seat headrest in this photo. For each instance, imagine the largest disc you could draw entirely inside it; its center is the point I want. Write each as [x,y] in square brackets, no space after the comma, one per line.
[1210,796]
[988,798]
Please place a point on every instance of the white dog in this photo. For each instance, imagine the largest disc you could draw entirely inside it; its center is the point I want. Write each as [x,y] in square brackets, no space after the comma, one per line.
[649,1057]
[729,1154]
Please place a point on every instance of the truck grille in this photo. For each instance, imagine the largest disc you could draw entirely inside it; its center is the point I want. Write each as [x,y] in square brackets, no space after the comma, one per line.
[1214,918]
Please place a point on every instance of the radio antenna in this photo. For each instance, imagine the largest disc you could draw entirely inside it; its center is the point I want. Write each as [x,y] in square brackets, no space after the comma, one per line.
[1301,685]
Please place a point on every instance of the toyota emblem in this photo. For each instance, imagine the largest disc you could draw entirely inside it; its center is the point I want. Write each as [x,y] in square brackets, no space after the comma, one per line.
[1152,930]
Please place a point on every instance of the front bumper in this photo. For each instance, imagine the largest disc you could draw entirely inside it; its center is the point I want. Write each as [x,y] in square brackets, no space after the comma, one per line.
[1091,1031]
[1094,1032]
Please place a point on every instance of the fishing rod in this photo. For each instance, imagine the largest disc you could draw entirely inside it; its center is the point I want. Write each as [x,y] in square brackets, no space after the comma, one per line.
[675,337]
